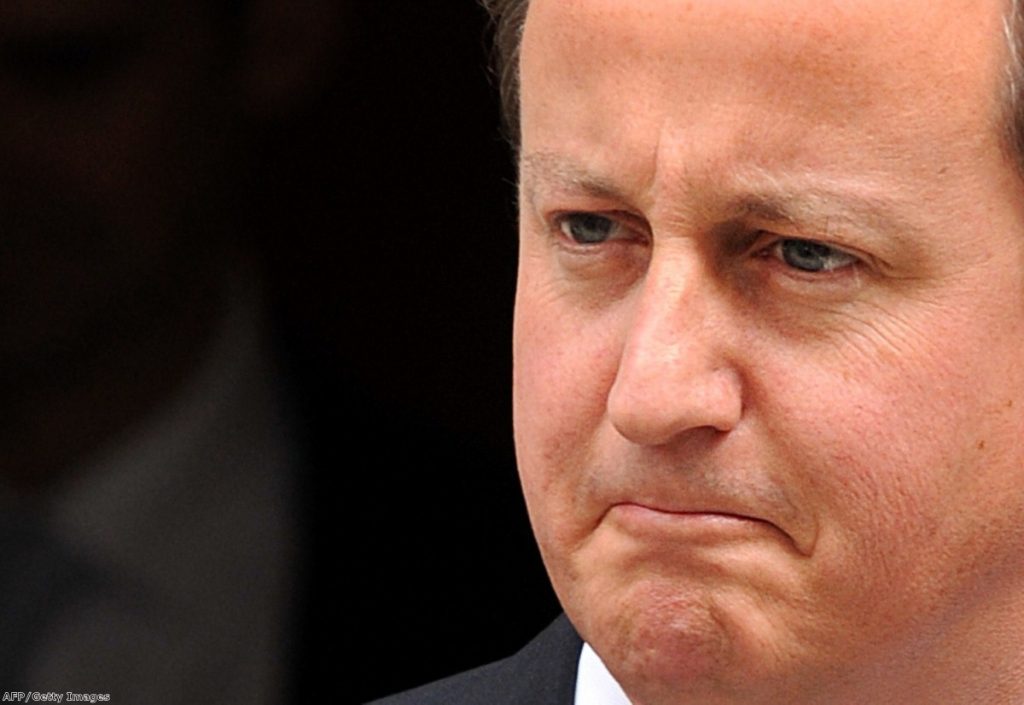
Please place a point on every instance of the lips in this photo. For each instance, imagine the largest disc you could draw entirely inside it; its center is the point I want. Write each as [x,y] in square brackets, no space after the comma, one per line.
[659,493]
[704,522]
[690,514]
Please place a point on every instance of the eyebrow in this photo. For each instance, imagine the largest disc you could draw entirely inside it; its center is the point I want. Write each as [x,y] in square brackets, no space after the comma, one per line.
[820,203]
[541,167]
[801,199]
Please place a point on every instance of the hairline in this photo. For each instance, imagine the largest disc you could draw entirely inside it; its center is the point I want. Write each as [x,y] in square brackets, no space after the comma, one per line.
[509,19]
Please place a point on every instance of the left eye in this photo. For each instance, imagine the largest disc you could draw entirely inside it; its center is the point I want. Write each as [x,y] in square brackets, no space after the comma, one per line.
[811,256]
[589,228]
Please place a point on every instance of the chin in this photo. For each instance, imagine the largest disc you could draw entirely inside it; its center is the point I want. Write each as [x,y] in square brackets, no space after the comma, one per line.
[671,643]
[655,634]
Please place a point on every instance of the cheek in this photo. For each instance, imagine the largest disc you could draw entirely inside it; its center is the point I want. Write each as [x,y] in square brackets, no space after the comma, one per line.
[565,362]
[904,458]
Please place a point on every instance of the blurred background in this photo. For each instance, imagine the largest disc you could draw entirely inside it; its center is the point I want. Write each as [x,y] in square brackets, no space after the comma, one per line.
[255,315]
[402,299]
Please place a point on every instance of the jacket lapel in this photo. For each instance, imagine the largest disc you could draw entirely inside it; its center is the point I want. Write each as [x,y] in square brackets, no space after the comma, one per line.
[544,671]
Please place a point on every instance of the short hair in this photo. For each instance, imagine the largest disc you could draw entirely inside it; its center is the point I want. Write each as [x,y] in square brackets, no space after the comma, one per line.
[1013,87]
[509,17]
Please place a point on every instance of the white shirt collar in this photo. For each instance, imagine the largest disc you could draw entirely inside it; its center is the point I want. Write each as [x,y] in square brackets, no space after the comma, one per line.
[594,684]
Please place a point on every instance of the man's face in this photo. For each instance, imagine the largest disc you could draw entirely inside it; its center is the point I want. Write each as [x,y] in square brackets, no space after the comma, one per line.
[768,396]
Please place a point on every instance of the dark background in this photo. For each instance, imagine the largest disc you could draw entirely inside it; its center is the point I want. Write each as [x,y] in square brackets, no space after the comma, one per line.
[386,212]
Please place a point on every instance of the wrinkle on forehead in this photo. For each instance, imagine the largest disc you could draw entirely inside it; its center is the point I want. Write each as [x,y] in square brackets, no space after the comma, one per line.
[876,53]
[796,199]
[871,112]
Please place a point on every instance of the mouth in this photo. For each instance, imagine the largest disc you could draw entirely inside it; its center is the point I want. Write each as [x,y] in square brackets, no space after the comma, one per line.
[692,525]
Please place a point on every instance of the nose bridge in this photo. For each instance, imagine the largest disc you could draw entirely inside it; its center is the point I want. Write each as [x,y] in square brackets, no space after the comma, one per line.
[670,312]
[674,371]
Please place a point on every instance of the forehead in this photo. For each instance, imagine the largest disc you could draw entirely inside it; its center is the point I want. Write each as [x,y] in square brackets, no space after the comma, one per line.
[833,38]
[777,77]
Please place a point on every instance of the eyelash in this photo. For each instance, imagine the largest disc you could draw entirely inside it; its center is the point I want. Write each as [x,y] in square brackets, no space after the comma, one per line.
[786,250]
[810,249]
[563,223]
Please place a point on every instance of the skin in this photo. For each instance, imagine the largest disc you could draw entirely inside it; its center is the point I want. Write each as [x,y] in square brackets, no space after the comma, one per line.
[752,483]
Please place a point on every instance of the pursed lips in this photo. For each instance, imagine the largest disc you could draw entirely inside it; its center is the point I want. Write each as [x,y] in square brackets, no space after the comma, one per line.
[709,522]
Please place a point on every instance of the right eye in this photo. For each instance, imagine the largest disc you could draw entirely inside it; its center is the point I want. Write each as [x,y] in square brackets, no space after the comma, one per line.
[590,228]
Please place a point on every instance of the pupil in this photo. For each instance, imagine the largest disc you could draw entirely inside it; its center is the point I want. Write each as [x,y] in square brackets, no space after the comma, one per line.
[808,256]
[589,228]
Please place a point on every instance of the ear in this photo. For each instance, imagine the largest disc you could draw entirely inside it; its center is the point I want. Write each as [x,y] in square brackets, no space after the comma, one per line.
[291,52]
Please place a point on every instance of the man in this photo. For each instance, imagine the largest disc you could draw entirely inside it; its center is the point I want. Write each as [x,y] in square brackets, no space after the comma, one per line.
[768,351]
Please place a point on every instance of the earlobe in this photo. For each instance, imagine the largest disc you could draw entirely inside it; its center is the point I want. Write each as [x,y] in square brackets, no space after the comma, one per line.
[290,52]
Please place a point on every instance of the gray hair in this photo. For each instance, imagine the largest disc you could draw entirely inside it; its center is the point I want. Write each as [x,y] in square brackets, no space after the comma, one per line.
[509,17]
[1013,100]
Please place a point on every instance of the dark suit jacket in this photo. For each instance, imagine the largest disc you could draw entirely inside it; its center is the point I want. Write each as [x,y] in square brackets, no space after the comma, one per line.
[542,673]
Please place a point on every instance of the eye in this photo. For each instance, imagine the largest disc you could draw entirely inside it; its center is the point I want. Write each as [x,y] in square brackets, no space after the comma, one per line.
[589,228]
[811,256]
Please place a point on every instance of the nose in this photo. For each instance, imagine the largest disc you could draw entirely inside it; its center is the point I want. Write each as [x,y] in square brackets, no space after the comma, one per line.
[676,372]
